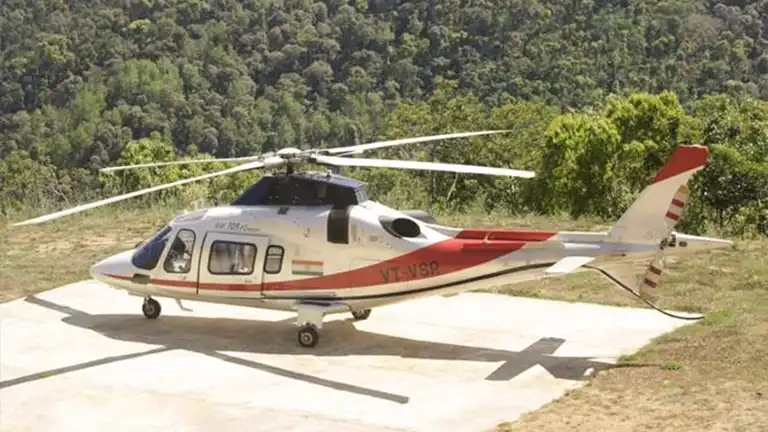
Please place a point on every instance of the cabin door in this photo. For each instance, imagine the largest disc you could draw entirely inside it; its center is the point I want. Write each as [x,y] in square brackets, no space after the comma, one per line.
[175,271]
[232,265]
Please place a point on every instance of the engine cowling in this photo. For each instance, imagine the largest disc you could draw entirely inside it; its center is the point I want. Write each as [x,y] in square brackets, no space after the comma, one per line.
[400,226]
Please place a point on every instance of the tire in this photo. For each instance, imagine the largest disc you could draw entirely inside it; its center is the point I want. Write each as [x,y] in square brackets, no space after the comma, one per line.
[361,315]
[308,336]
[151,308]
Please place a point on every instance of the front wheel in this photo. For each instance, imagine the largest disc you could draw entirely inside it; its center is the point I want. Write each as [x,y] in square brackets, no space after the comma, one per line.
[151,308]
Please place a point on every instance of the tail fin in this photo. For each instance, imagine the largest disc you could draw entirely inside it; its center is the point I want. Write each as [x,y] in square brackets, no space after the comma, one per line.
[653,216]
[656,211]
[650,221]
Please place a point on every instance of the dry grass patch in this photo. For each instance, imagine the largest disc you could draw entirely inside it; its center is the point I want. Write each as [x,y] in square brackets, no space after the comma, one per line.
[41,257]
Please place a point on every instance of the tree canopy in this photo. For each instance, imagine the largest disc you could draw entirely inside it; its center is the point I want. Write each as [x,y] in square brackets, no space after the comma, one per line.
[597,91]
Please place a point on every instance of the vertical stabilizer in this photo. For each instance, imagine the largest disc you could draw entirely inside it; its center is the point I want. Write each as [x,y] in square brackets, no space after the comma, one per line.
[653,216]
[659,206]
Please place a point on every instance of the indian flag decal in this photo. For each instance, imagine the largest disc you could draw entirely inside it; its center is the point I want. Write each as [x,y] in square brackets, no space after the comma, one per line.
[307,267]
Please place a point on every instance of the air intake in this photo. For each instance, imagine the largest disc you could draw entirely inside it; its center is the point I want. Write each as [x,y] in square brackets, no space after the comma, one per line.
[400,227]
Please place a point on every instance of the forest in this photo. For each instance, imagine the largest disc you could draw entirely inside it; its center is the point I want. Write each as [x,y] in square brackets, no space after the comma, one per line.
[597,93]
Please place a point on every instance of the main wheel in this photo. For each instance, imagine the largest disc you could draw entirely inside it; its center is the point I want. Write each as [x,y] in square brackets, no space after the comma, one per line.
[151,308]
[361,315]
[308,336]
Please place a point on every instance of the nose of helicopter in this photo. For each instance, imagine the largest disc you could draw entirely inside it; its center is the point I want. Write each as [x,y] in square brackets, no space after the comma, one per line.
[113,267]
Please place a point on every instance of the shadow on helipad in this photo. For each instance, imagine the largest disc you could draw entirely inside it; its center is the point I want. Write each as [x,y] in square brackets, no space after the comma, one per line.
[212,336]
[460,363]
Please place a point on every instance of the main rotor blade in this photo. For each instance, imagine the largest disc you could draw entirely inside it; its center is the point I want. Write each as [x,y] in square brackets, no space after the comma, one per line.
[360,148]
[52,216]
[180,162]
[418,165]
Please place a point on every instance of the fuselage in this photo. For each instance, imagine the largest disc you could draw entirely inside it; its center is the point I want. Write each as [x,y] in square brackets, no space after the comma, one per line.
[363,255]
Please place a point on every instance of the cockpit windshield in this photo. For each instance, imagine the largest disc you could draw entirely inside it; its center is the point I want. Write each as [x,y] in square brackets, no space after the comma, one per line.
[148,254]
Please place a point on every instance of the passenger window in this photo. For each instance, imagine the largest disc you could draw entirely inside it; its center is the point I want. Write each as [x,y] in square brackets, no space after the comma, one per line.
[273,262]
[180,254]
[231,258]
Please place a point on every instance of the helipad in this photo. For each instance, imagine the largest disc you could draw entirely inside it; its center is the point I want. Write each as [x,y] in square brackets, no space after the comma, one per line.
[83,357]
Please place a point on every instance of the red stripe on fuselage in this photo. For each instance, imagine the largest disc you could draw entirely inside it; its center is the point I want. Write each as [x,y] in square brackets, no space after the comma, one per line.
[445,257]
[174,283]
[441,258]
[504,235]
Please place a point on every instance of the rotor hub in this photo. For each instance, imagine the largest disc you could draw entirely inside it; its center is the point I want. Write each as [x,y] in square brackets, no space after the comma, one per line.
[288,152]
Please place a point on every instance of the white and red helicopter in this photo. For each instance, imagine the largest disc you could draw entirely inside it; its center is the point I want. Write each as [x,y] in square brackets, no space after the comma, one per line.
[316,244]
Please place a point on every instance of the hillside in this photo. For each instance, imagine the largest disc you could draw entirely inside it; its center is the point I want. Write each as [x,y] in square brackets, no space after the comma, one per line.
[86,84]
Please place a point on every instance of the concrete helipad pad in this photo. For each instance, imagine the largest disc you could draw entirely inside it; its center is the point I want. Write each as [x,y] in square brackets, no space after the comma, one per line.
[83,357]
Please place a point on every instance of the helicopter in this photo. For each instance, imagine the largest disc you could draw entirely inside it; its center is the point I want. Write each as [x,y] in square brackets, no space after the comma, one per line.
[316,244]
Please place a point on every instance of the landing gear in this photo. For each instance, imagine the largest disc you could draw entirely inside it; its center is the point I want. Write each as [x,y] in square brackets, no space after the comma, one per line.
[309,318]
[361,314]
[151,308]
[308,336]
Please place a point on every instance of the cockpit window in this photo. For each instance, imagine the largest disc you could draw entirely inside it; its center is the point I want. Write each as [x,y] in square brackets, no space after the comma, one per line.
[180,255]
[148,254]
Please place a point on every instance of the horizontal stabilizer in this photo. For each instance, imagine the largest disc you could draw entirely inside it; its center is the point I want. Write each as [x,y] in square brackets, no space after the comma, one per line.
[569,264]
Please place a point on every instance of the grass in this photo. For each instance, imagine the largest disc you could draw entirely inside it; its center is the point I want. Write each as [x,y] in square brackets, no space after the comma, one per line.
[708,376]
[41,257]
